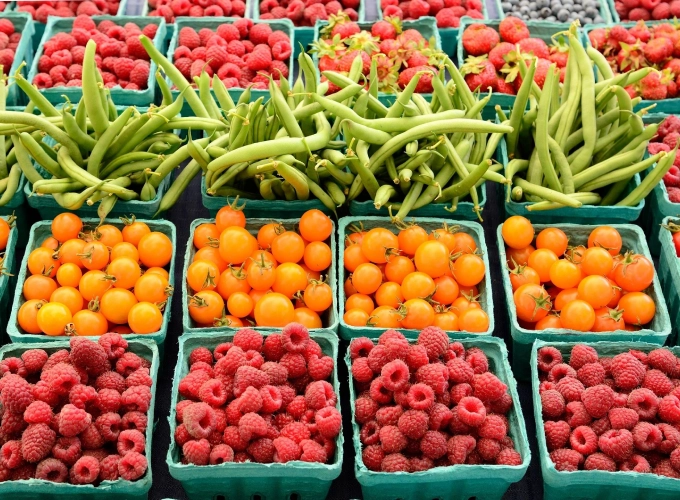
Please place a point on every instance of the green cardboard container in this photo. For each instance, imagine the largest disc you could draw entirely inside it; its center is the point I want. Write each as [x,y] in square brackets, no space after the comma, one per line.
[456,482]
[522,339]
[17,204]
[475,230]
[146,9]
[586,214]
[329,318]
[39,232]
[293,480]
[605,12]
[24,53]
[7,280]
[119,95]
[426,26]
[261,209]
[595,484]
[669,275]
[37,489]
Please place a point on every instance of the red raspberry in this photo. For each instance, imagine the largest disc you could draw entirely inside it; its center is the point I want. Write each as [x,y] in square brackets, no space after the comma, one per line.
[413,424]
[570,388]
[582,354]
[53,470]
[82,395]
[391,439]
[556,434]
[671,438]
[312,452]
[488,449]
[664,468]
[433,445]
[248,339]
[228,32]
[389,415]
[548,357]
[34,359]
[189,38]
[566,460]
[108,468]
[297,431]
[657,382]
[669,409]
[598,400]
[250,401]
[91,439]
[197,452]
[552,403]
[395,375]
[262,450]
[140,74]
[360,347]
[591,374]
[85,471]
[220,454]
[130,441]
[440,417]
[294,336]
[647,436]
[328,421]
[364,408]
[459,391]
[108,400]
[662,359]
[576,414]
[459,371]
[16,393]
[508,456]
[128,363]
[320,394]
[113,343]
[108,425]
[416,357]
[434,375]
[10,455]
[471,411]
[295,364]
[372,456]
[502,405]
[599,461]
[232,360]
[493,427]
[12,365]
[459,447]
[68,450]
[38,412]
[259,33]
[139,377]
[320,368]
[636,463]
[421,397]
[559,371]
[199,419]
[271,398]
[251,425]
[361,371]
[73,420]
[584,440]
[623,418]
[278,374]
[435,341]
[644,402]
[37,442]
[617,443]
[488,387]
[285,450]
[378,357]
[628,371]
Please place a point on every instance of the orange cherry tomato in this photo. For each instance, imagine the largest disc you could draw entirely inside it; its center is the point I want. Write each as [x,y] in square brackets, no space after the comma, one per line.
[66,226]
[385,317]
[432,257]
[577,315]
[288,247]
[69,275]
[349,287]
[268,232]
[389,294]
[462,303]
[532,302]
[206,235]
[151,287]
[230,215]
[318,296]
[469,270]
[575,254]
[202,275]
[565,274]
[125,271]
[465,243]
[205,307]
[232,280]
[398,267]
[306,317]
[550,321]
[236,245]
[42,261]
[124,249]
[95,255]
[89,323]
[318,256]
[518,257]
[70,297]
[160,271]
[446,290]
[635,273]
[109,235]
[145,317]
[367,278]
[473,320]
[447,236]
[417,285]
[360,301]
[596,290]
[240,304]
[290,278]
[564,297]
[447,320]
[606,237]
[155,249]
[28,316]
[411,238]
[419,314]
[616,295]
[521,275]
[50,242]
[638,308]
[353,256]
[356,317]
[133,231]
[378,244]
[53,318]
[115,305]
[261,274]
[596,261]
[39,287]
[4,233]
[315,225]
[517,232]
[119,329]
[70,251]
[274,309]
[257,294]
[94,284]
[541,260]
[553,239]
[608,320]
[213,255]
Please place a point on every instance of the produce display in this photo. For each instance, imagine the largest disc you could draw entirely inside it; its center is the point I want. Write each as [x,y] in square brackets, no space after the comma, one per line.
[307,13]
[610,413]
[447,13]
[428,404]
[582,146]
[644,10]
[40,10]
[599,287]
[240,54]
[276,277]
[494,56]
[119,55]
[414,280]
[171,9]
[642,46]
[77,415]
[262,400]
[400,53]
[89,281]
[9,41]
[584,11]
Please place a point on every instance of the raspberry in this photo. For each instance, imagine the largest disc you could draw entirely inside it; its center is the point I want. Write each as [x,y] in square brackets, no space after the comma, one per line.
[364,408]
[395,375]
[259,59]
[199,419]
[67,450]
[488,387]
[51,469]
[636,463]
[12,365]
[197,452]
[91,439]
[139,377]
[417,357]
[556,434]
[598,400]
[378,357]
[459,391]
[591,374]
[570,388]
[38,412]
[646,436]
[136,399]
[82,395]
[295,364]
[85,471]
[582,354]
[213,392]
[599,461]
[285,450]
[113,343]
[251,425]
[328,421]
[434,375]
[297,431]
[576,414]
[552,403]
[231,362]
[391,439]
[320,368]
[108,426]
[140,75]
[664,468]
[12,423]
[566,460]
[420,397]
[189,38]
[128,363]
[548,357]
[559,371]
[10,455]
[320,394]
[34,359]
[37,442]
[440,417]
[493,427]
[108,468]
[508,456]
[220,454]
[488,449]
[108,400]
[662,359]
[617,443]
[312,452]
[248,339]
[73,420]
[671,438]
[584,440]
[413,424]
[130,441]
[360,347]
[259,33]
[271,398]
[657,382]
[669,409]
[627,370]
[623,418]
[502,405]
[459,447]
[433,445]
[372,457]
[15,394]
[389,415]
[471,411]
[361,371]
[644,402]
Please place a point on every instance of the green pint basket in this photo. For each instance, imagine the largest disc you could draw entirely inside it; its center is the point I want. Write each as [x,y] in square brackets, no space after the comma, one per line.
[522,339]
[231,481]
[669,275]
[456,482]
[39,232]
[7,279]
[23,54]
[348,332]
[37,489]
[329,318]
[595,484]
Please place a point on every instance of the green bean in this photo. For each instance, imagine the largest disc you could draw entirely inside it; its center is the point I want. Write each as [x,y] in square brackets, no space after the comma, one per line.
[571,106]
[206,97]
[341,176]
[106,206]
[600,61]
[113,113]
[100,195]
[502,117]
[296,179]
[409,200]
[227,177]
[198,154]
[50,186]
[343,81]
[606,166]
[105,141]
[12,183]
[566,176]
[178,186]
[39,155]
[542,134]
[167,138]
[602,121]
[85,142]
[492,144]
[465,185]
[148,192]
[584,198]
[165,89]
[173,161]
[441,93]
[335,192]
[546,193]
[267,189]
[24,161]
[622,174]
[208,124]
[158,119]
[34,95]
[222,95]
[397,109]
[126,136]
[383,195]
[83,176]
[614,192]
[523,71]
[91,94]
[73,201]
[650,181]
[131,168]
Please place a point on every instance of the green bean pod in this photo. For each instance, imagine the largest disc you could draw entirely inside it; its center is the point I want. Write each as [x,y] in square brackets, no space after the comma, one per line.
[546,193]
[335,192]
[105,141]
[584,198]
[24,161]
[84,177]
[650,181]
[39,155]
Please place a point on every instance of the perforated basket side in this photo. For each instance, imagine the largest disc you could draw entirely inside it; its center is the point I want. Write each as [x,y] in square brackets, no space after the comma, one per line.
[7,278]
[23,23]
[669,275]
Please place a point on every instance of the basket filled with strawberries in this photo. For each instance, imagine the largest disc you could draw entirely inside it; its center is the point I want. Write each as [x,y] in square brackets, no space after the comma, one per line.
[126,67]
[643,10]
[256,414]
[606,419]
[16,31]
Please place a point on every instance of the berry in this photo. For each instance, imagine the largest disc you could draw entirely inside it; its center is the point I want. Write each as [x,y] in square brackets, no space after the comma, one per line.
[85,471]
[617,444]
[513,30]
[479,39]
[73,420]
[628,371]
[599,461]
[15,394]
[552,403]
[285,449]
[52,469]
[197,452]
[581,355]
[598,400]
[130,441]
[557,433]
[328,421]
[623,418]
[566,460]
[108,468]
[471,411]
[548,356]
[199,419]
[37,442]
[584,440]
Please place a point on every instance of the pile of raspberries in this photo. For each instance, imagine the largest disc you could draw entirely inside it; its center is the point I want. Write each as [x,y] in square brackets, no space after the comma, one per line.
[618,413]
[241,54]
[428,404]
[258,399]
[40,10]
[447,12]
[666,138]
[308,12]
[120,57]
[170,9]
[75,417]
[636,10]
[9,41]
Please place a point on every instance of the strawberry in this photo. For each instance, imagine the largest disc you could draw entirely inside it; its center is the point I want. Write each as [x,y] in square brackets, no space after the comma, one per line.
[513,30]
[598,38]
[511,68]
[346,61]
[534,46]
[479,39]
[621,34]
[387,29]
[479,73]
[542,68]
[388,74]
[641,32]
[417,59]
[390,48]
[498,53]
[346,28]
[658,50]
[363,41]
[424,85]
[504,87]
[651,87]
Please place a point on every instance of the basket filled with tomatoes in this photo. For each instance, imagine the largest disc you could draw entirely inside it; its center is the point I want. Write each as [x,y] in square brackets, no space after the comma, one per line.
[669,268]
[258,272]
[408,276]
[579,284]
[85,277]
[8,240]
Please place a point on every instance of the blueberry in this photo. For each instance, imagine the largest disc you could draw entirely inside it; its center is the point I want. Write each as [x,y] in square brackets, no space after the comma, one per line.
[524,10]
[598,19]
[552,19]
[532,5]
[563,15]
[588,20]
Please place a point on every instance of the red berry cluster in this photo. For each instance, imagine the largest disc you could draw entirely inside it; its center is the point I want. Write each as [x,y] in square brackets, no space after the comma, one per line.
[77,416]
[3,6]
[40,10]
[656,46]
[120,57]
[428,404]
[308,12]
[9,41]
[637,10]
[447,12]
[170,9]
[241,54]
[613,414]
[260,400]
[665,139]
[494,57]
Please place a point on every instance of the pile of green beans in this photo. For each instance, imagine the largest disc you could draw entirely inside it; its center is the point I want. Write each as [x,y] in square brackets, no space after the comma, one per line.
[580,143]
[302,143]
[90,153]
[10,173]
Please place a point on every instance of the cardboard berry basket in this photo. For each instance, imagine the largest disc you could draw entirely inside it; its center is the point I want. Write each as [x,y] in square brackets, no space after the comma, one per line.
[329,318]
[426,26]
[213,23]
[7,278]
[669,275]
[119,95]
[293,480]
[39,232]
[605,11]
[586,214]
[456,482]
[522,339]
[602,485]
[37,489]
[348,332]
[24,53]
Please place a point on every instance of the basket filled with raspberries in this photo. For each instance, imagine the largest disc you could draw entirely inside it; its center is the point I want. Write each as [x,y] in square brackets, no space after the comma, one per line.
[242,53]
[16,32]
[401,49]
[434,418]
[256,414]
[607,416]
[579,284]
[126,67]
[490,52]
[170,10]
[78,418]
